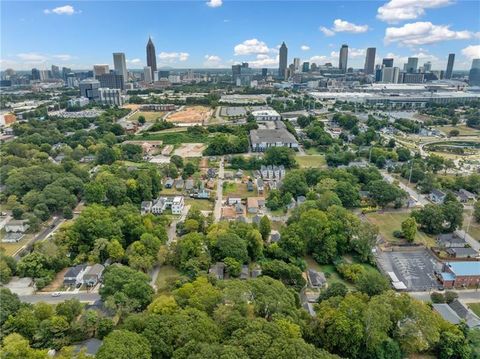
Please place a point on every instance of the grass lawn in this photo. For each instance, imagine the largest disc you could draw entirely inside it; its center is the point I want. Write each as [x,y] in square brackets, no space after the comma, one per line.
[170,192]
[312,151]
[239,189]
[474,228]
[166,275]
[173,138]
[388,222]
[200,204]
[150,116]
[315,161]
[464,130]
[475,307]
[12,248]
[329,270]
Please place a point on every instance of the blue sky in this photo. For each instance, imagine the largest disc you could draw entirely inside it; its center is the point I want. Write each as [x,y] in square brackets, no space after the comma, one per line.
[219,33]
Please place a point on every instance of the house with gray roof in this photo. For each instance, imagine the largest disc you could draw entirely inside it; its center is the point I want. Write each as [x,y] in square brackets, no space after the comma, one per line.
[262,139]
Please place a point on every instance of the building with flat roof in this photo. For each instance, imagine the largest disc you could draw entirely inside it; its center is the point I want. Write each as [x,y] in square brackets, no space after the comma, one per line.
[100,70]
[343,58]
[451,60]
[369,67]
[89,89]
[120,65]
[112,97]
[461,274]
[262,139]
[111,80]
[283,59]
[266,115]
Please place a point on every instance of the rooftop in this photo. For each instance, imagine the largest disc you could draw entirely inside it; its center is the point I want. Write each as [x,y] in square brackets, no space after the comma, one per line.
[465,268]
[268,135]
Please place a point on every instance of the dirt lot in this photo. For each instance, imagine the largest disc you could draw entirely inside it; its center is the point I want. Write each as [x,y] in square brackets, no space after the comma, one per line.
[131,106]
[57,283]
[193,114]
[190,150]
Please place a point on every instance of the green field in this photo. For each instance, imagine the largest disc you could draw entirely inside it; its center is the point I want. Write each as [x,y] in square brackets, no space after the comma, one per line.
[388,222]
[200,204]
[167,274]
[314,161]
[464,130]
[474,228]
[475,307]
[150,116]
[329,270]
[239,189]
[174,138]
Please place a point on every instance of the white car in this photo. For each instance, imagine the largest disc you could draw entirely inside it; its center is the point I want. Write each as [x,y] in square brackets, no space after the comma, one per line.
[56,294]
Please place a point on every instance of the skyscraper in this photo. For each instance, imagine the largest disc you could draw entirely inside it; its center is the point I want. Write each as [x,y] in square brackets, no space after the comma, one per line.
[387,62]
[120,65]
[296,63]
[306,66]
[283,58]
[100,70]
[369,68]
[427,66]
[343,58]
[412,65]
[474,74]
[451,60]
[147,74]
[151,57]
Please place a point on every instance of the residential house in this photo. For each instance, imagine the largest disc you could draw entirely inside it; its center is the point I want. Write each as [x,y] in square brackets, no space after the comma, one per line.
[179,184]
[250,187]
[239,174]
[456,312]
[275,236]
[256,272]
[217,270]
[211,173]
[450,240]
[189,184]
[74,275]
[464,196]
[93,275]
[177,205]
[437,196]
[146,207]
[466,252]
[239,209]
[228,175]
[255,204]
[260,186]
[210,183]
[245,273]
[17,226]
[233,200]
[264,171]
[316,279]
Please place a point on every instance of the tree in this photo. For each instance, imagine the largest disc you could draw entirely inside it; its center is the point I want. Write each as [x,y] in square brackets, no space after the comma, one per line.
[106,156]
[115,250]
[430,218]
[124,344]
[70,309]
[476,211]
[199,294]
[177,161]
[288,273]
[336,289]
[231,245]
[409,229]
[232,266]
[254,244]
[372,283]
[453,345]
[295,183]
[265,227]
[280,156]
[364,240]
[163,304]
[384,193]
[15,347]
[141,119]
[10,304]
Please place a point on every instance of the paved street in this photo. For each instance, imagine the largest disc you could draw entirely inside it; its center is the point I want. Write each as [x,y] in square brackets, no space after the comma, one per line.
[420,198]
[469,239]
[217,211]
[48,298]
[466,296]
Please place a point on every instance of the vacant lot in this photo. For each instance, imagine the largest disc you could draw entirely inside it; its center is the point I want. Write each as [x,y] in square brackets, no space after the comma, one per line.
[193,114]
[474,228]
[174,138]
[167,275]
[314,161]
[149,116]
[190,150]
[475,307]
[388,222]
[200,204]
[464,130]
[237,189]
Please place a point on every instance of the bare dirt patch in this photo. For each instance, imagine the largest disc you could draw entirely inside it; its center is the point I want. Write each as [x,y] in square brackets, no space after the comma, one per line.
[190,150]
[191,115]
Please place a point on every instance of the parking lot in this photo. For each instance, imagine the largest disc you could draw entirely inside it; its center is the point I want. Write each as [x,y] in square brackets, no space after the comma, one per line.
[233,111]
[414,268]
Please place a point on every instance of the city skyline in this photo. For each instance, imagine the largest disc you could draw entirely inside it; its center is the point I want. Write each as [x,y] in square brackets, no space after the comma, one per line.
[315,39]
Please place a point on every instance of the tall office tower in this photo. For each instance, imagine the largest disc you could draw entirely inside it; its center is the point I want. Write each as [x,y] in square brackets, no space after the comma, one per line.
[390,75]
[35,74]
[100,70]
[65,72]
[296,63]
[427,66]
[474,74]
[56,72]
[343,58]
[313,67]
[412,65]
[120,65]
[283,58]
[147,74]
[306,66]
[89,89]
[151,57]
[387,62]
[111,80]
[264,72]
[451,60]
[369,67]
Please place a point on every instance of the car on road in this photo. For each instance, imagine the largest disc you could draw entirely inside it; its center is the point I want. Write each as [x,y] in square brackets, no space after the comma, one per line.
[56,294]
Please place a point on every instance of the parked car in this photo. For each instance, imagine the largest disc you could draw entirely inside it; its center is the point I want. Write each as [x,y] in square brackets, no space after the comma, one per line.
[56,294]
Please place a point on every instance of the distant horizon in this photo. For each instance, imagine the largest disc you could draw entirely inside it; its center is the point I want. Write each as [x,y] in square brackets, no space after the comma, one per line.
[194,34]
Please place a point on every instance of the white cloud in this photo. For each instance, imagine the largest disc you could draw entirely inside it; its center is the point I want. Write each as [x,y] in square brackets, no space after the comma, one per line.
[61,10]
[352,52]
[319,59]
[422,33]
[471,52]
[135,61]
[173,56]
[32,57]
[213,61]
[340,25]
[251,47]
[395,11]
[214,3]
[305,47]
[345,26]
[326,31]
[263,60]
[63,57]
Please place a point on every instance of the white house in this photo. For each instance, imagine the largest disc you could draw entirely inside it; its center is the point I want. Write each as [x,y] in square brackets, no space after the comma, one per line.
[177,205]
[16,226]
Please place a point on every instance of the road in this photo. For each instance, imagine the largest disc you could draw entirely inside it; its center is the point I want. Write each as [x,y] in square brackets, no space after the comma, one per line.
[466,295]
[421,200]
[47,297]
[469,239]
[217,211]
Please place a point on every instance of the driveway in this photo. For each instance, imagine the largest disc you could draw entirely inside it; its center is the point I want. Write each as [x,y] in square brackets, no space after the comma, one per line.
[48,298]
[217,211]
